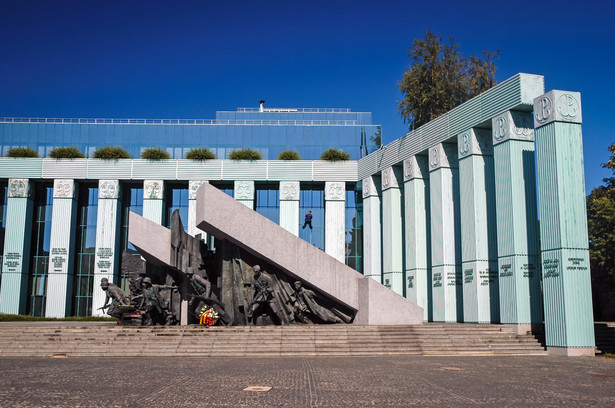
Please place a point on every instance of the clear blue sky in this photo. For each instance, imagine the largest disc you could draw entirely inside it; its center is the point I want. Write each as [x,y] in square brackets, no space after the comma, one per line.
[187,59]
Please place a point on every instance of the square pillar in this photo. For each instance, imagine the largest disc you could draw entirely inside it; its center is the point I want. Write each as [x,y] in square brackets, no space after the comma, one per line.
[517,219]
[335,220]
[153,200]
[417,233]
[16,260]
[61,249]
[244,193]
[445,233]
[478,227]
[392,230]
[372,245]
[289,206]
[569,323]
[107,240]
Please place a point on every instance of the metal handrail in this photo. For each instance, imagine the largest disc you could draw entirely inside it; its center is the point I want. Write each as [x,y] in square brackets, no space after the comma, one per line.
[104,121]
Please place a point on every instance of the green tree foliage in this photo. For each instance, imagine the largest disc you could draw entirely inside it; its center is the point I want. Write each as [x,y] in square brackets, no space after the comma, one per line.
[245,154]
[440,78]
[200,154]
[155,153]
[601,230]
[66,152]
[289,155]
[334,155]
[21,152]
[110,152]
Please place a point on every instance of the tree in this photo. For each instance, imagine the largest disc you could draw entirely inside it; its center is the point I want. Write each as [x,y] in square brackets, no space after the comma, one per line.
[601,231]
[441,78]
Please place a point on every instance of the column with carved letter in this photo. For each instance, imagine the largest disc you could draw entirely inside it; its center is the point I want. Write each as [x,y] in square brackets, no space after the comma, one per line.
[392,230]
[372,245]
[107,256]
[61,249]
[416,220]
[153,200]
[517,219]
[569,323]
[335,220]
[16,260]
[445,233]
[193,187]
[478,227]
[244,193]
[289,206]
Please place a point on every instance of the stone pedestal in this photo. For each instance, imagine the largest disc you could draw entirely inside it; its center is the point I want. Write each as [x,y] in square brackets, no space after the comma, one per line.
[445,233]
[478,227]
[417,234]
[335,220]
[62,249]
[392,230]
[289,206]
[569,323]
[372,253]
[517,219]
[16,258]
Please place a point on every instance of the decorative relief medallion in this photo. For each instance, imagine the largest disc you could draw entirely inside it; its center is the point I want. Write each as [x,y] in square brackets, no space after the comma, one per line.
[19,188]
[334,191]
[557,106]
[543,111]
[153,189]
[500,128]
[512,125]
[434,157]
[366,188]
[63,188]
[193,187]
[289,191]
[244,190]
[409,169]
[464,142]
[109,189]
[386,178]
[567,107]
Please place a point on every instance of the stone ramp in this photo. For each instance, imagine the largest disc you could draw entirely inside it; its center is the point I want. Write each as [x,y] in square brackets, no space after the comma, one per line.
[430,339]
[223,217]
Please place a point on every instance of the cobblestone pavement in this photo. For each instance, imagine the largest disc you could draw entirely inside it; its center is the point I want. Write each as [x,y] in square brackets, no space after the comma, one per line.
[545,381]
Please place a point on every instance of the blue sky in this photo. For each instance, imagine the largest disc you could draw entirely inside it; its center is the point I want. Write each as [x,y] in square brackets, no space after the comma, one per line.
[187,59]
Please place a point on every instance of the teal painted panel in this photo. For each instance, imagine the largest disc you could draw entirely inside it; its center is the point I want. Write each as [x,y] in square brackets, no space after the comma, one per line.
[567,296]
[392,241]
[519,287]
[417,289]
[477,291]
[446,286]
[394,281]
[21,168]
[416,224]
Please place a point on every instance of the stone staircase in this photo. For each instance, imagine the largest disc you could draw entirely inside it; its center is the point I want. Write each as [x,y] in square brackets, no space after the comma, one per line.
[449,339]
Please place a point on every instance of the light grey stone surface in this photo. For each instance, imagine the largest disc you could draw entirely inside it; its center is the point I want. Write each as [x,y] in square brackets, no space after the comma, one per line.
[153,241]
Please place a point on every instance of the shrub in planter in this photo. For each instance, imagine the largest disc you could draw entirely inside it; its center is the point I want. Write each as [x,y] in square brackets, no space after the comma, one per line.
[155,153]
[334,155]
[67,152]
[110,152]
[289,155]
[245,154]
[200,154]
[21,152]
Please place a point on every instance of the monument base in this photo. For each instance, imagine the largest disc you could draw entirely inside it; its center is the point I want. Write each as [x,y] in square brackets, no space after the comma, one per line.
[572,351]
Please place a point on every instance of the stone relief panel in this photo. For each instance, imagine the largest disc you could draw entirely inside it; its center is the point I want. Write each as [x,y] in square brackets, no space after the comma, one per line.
[244,190]
[109,189]
[193,187]
[335,191]
[512,125]
[557,106]
[474,142]
[443,155]
[19,188]
[389,178]
[153,189]
[63,188]
[415,167]
[289,190]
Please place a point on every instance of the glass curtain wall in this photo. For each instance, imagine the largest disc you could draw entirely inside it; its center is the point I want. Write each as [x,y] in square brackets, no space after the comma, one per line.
[132,201]
[268,201]
[177,199]
[312,198]
[3,198]
[39,262]
[354,227]
[87,210]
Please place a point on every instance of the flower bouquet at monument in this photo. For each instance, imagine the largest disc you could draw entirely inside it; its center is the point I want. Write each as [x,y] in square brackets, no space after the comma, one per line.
[208,316]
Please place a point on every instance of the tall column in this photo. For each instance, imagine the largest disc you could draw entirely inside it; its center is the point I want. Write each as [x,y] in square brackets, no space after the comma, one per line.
[107,240]
[417,234]
[289,206]
[372,245]
[478,227]
[569,323]
[61,249]
[517,219]
[392,230]
[244,193]
[193,187]
[16,260]
[153,200]
[445,233]
[335,220]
